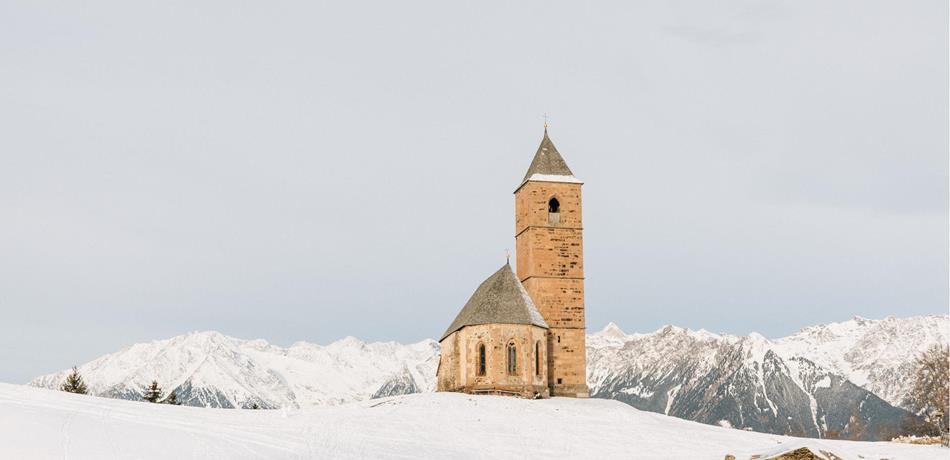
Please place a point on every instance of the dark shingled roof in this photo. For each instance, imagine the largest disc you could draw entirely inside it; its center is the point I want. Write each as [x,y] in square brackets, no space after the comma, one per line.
[547,160]
[500,299]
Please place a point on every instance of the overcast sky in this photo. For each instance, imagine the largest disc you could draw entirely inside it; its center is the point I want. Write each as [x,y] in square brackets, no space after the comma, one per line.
[304,171]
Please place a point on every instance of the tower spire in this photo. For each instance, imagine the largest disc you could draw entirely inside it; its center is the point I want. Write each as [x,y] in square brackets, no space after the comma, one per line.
[548,162]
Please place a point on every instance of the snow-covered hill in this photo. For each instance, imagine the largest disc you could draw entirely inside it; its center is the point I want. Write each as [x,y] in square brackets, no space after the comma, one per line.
[211,369]
[40,424]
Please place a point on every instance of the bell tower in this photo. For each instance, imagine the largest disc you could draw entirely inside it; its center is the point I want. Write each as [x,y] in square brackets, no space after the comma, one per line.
[550,256]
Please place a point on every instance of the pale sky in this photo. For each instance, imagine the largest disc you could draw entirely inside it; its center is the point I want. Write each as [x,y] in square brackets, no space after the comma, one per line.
[307,170]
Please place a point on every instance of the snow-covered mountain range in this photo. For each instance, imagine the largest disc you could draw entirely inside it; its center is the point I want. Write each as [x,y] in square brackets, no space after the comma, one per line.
[843,379]
[214,370]
[875,354]
[819,382]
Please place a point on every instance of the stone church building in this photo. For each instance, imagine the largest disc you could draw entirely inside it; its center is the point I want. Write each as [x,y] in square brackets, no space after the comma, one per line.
[522,332]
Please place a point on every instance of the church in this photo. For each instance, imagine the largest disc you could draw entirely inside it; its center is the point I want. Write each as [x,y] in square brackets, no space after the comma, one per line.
[522,332]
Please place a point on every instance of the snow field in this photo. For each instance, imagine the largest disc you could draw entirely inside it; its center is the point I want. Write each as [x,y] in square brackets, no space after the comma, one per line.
[44,424]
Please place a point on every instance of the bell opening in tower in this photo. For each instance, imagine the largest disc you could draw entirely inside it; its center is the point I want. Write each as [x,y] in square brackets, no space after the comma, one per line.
[554,211]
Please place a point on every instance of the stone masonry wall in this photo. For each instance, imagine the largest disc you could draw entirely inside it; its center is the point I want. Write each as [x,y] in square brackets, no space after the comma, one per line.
[550,257]
[447,375]
[560,300]
[568,361]
[531,204]
[458,365]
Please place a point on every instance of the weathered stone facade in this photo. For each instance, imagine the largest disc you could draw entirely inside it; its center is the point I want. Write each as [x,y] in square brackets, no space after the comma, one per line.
[459,368]
[551,267]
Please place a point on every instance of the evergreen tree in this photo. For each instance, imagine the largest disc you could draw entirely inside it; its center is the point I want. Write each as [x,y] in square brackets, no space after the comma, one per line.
[152,393]
[172,399]
[74,383]
[255,406]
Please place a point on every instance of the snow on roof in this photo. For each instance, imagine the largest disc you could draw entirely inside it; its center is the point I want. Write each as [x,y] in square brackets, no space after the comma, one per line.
[553,178]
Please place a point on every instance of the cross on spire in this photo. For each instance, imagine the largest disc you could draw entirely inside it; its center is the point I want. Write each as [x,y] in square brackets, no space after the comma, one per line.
[546,121]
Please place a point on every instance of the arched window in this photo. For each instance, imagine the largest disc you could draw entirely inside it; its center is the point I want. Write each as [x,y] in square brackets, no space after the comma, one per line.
[554,211]
[481,359]
[537,358]
[512,359]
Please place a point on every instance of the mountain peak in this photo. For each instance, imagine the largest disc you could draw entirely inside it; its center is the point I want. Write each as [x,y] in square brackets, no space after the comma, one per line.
[612,330]
[205,333]
[199,339]
[756,337]
[670,329]
[348,341]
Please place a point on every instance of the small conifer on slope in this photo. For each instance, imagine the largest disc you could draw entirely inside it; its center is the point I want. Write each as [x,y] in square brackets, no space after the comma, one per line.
[74,383]
[152,393]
